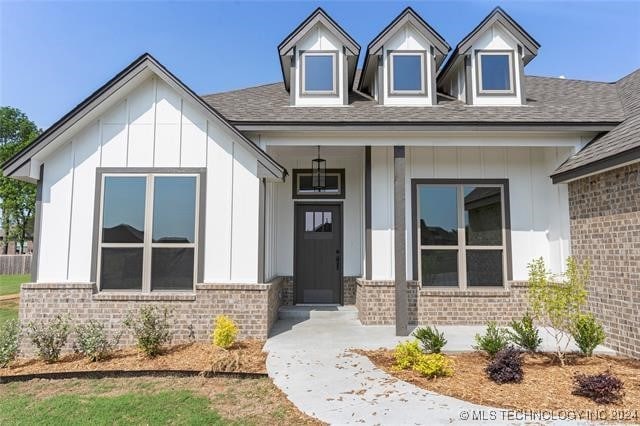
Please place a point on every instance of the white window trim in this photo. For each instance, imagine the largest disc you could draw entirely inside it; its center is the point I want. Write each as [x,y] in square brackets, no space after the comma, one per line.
[462,246]
[423,87]
[512,75]
[148,245]
[334,72]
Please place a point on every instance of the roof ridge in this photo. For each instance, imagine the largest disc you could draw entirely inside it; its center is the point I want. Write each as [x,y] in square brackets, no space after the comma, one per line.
[241,89]
[570,79]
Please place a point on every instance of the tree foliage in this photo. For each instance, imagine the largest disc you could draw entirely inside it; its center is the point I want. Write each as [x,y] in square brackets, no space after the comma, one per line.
[17,199]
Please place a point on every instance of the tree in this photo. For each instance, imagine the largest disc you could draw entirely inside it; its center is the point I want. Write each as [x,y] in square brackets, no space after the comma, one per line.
[17,199]
[557,300]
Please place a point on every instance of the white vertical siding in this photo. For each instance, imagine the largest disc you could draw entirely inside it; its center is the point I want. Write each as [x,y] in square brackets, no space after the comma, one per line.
[539,209]
[151,127]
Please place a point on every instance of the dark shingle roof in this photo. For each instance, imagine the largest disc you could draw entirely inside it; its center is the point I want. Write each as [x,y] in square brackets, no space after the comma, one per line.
[618,146]
[550,100]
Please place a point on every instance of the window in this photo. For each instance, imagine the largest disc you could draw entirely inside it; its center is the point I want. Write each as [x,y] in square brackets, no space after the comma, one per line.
[496,72]
[148,232]
[406,73]
[318,222]
[461,236]
[303,184]
[319,73]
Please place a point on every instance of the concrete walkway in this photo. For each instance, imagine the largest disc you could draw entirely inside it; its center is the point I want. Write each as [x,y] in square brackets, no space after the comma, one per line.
[309,360]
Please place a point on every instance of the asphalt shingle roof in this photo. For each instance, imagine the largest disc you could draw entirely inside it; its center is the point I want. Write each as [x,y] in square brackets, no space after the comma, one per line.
[622,139]
[552,100]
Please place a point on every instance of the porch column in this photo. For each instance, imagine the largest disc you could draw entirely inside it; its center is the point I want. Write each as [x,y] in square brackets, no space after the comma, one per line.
[400,255]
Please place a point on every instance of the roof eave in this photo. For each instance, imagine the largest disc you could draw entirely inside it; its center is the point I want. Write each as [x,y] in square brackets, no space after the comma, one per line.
[615,161]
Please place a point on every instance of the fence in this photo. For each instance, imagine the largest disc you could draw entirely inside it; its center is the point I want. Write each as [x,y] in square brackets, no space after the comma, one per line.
[15,264]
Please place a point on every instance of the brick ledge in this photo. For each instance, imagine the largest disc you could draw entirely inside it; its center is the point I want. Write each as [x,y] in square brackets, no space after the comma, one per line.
[143,297]
[57,286]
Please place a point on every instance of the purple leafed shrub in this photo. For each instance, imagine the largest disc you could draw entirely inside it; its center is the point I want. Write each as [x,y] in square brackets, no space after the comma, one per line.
[506,366]
[603,388]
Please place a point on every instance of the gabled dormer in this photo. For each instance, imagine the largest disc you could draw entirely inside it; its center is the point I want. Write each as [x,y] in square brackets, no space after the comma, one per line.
[318,61]
[487,66]
[401,62]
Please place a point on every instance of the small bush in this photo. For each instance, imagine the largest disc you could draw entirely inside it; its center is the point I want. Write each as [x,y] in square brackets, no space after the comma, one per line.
[604,388]
[431,339]
[587,333]
[151,328]
[493,340]
[525,334]
[407,354]
[433,365]
[49,337]
[9,342]
[93,341]
[506,366]
[224,332]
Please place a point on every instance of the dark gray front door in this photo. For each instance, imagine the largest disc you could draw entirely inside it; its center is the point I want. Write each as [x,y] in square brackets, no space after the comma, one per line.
[318,253]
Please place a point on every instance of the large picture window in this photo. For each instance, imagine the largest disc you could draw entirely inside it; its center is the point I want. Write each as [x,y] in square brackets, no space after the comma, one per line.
[461,236]
[148,232]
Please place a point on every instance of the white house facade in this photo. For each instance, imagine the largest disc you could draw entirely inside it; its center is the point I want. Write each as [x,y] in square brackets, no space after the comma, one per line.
[417,188]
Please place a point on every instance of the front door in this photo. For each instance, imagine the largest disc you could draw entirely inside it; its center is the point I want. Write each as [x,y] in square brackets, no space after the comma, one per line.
[318,253]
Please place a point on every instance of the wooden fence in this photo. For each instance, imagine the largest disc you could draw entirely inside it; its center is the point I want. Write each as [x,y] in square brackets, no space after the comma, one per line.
[15,264]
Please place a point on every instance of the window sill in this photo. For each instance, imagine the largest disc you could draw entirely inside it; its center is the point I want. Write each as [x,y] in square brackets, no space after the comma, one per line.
[456,292]
[144,297]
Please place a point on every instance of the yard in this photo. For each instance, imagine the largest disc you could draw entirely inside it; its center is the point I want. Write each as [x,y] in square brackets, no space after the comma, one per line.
[139,401]
[10,284]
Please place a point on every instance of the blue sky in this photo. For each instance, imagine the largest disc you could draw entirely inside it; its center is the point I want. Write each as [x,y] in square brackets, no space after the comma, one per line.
[54,54]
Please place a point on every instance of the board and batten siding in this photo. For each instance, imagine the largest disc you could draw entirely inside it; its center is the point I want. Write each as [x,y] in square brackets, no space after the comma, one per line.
[539,209]
[151,127]
[279,253]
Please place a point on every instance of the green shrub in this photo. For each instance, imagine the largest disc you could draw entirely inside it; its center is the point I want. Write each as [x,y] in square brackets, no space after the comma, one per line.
[93,341]
[431,339]
[525,334]
[433,365]
[587,333]
[151,328]
[493,340]
[407,354]
[224,332]
[9,342]
[556,301]
[49,337]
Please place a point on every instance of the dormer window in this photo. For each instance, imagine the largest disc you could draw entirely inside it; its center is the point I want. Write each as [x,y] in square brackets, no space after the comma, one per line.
[319,73]
[496,72]
[407,71]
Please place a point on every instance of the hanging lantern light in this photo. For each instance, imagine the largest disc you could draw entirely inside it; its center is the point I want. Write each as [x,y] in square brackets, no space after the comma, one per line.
[318,172]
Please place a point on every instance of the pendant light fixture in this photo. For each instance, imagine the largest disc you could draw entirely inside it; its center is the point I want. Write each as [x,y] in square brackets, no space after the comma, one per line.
[318,172]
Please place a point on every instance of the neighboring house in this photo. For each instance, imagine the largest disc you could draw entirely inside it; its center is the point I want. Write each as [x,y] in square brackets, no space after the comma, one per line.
[432,197]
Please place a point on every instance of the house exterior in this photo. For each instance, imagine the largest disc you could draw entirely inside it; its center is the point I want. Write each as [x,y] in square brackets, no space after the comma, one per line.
[433,194]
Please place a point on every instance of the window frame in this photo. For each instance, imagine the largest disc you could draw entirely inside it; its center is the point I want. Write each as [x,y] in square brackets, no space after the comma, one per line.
[295,180]
[512,73]
[148,245]
[322,93]
[423,73]
[462,247]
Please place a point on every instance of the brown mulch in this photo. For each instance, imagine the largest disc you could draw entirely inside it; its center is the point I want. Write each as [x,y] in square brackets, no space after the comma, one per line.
[546,384]
[244,356]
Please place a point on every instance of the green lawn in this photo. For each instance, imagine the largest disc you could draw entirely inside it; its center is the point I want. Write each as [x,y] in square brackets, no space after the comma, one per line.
[147,401]
[10,284]
[8,310]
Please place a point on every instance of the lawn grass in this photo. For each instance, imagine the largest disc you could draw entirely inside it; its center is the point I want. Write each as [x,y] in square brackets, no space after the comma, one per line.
[147,401]
[8,310]
[10,284]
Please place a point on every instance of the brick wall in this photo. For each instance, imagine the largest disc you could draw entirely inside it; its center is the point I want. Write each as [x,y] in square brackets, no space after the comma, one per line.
[348,289]
[253,307]
[375,301]
[605,228]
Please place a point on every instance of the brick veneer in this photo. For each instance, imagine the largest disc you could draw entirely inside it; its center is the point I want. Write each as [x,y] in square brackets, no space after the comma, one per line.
[605,228]
[254,307]
[375,301]
[348,289]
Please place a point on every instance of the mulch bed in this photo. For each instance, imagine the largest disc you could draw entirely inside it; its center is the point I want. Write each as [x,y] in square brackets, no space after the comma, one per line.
[546,384]
[243,357]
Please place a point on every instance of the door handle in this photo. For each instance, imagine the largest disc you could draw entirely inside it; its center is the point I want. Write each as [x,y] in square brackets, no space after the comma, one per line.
[338,260]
